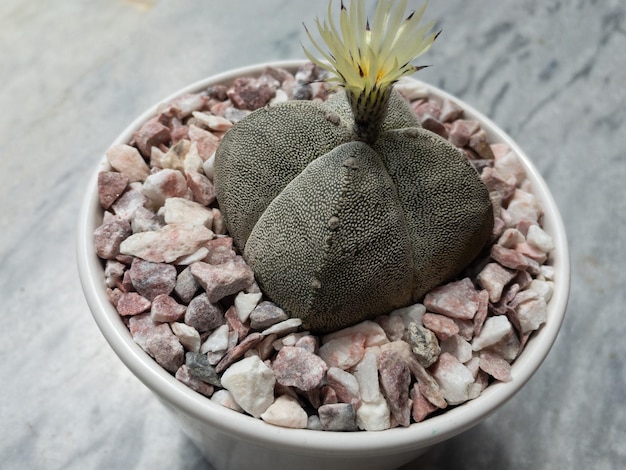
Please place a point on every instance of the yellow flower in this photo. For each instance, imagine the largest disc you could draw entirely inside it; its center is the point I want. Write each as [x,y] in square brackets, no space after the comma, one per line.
[366,56]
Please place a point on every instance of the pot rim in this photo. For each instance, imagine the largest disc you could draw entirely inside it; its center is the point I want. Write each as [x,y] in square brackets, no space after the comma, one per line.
[425,433]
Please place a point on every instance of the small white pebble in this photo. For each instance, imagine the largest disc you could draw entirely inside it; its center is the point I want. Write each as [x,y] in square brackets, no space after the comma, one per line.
[192,163]
[523,206]
[375,335]
[546,272]
[510,238]
[187,335]
[286,412]
[532,314]
[314,423]
[454,379]
[215,123]
[543,288]
[473,390]
[458,347]
[251,383]
[366,374]
[280,97]
[509,165]
[473,365]
[198,255]
[494,329]
[217,341]
[207,167]
[284,327]
[183,211]
[245,303]
[374,416]
[538,238]
[225,398]
[412,313]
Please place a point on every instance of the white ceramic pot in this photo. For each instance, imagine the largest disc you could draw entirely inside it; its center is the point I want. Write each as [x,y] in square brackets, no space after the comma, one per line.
[230,440]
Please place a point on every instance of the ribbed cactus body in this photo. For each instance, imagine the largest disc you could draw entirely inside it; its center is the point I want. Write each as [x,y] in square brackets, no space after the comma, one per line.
[336,230]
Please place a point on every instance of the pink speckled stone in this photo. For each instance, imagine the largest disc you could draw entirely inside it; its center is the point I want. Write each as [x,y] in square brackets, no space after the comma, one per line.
[444,327]
[224,279]
[131,303]
[296,367]
[395,379]
[128,161]
[165,309]
[421,407]
[109,236]
[111,184]
[495,365]
[152,279]
[165,347]
[343,352]
[456,300]
[152,134]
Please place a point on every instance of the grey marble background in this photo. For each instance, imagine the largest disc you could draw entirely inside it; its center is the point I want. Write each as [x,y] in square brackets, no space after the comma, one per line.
[74,73]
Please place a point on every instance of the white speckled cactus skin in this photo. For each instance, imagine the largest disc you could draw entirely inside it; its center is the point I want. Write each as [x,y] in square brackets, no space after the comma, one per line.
[337,230]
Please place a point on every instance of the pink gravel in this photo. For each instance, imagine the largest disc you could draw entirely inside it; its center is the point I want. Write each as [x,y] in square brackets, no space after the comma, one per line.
[191,302]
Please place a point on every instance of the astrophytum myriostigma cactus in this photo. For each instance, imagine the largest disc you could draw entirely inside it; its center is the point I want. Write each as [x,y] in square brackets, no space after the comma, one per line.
[348,209]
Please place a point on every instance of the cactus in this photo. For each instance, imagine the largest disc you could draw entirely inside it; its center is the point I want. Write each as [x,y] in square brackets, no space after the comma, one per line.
[348,209]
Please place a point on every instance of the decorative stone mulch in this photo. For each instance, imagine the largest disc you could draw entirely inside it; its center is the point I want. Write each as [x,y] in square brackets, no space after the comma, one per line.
[191,302]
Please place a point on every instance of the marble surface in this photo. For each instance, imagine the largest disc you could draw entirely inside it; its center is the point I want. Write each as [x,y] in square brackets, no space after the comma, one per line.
[73,74]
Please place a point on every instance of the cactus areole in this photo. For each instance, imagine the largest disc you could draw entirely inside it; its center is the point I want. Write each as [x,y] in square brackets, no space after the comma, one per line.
[348,209]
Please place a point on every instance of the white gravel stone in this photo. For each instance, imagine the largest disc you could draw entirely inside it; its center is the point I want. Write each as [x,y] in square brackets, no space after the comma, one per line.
[200,254]
[343,352]
[167,244]
[523,206]
[493,278]
[192,163]
[128,160]
[458,347]
[494,329]
[374,334]
[366,374]
[543,288]
[251,383]
[217,341]
[510,238]
[280,97]
[412,313]
[473,365]
[538,238]
[546,272]
[245,303]
[225,398]
[113,272]
[164,184]
[184,211]
[509,165]
[208,168]
[187,335]
[345,384]
[314,423]
[173,158]
[286,412]
[454,379]
[283,328]
[213,122]
[374,416]
[532,314]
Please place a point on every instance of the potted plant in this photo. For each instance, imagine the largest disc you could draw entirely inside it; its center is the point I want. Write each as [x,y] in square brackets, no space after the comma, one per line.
[353,246]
